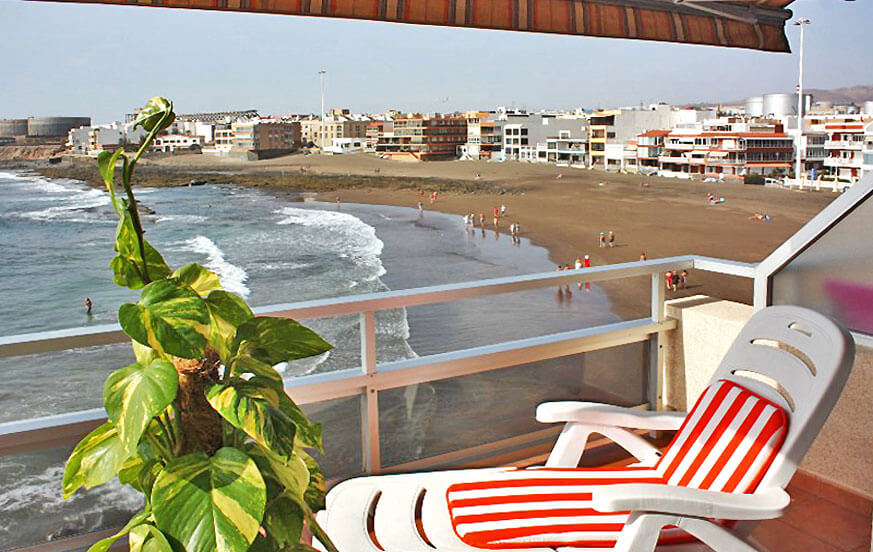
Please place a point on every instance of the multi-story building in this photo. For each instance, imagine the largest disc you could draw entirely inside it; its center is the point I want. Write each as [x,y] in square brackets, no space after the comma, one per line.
[88,140]
[424,138]
[568,149]
[483,135]
[337,124]
[618,127]
[848,146]
[256,139]
[650,147]
[727,149]
[525,136]
[171,143]
[376,130]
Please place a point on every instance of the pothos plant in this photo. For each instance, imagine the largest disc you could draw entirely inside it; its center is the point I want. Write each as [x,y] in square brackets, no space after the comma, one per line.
[200,424]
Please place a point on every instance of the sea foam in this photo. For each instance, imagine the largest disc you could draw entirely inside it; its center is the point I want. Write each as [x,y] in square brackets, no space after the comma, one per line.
[233,278]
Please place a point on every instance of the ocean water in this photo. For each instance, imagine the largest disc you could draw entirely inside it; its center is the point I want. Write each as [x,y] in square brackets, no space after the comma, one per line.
[56,242]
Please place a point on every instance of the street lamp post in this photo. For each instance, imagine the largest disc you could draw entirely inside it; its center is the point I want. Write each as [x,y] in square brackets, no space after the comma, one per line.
[321,74]
[798,170]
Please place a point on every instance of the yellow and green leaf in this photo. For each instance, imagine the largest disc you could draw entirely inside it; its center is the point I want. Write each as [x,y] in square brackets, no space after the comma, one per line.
[199,278]
[127,265]
[95,460]
[169,317]
[210,504]
[227,311]
[135,394]
[254,408]
[274,340]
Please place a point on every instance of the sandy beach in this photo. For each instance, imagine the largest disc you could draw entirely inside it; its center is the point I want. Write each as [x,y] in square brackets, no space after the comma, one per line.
[563,209]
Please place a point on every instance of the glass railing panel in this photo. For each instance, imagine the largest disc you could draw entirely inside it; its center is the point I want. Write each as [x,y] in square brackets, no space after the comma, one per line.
[444,416]
[343,332]
[834,275]
[58,382]
[341,425]
[32,510]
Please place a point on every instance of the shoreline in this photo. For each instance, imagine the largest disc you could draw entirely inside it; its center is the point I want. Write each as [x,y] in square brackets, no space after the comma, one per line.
[559,208]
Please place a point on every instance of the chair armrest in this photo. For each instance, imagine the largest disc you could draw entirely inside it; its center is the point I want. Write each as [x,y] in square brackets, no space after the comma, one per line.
[608,415]
[668,499]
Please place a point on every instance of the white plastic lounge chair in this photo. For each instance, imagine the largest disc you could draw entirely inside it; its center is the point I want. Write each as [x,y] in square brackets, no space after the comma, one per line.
[726,468]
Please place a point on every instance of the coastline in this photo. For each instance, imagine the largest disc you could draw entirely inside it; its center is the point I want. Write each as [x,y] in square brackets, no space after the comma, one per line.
[559,208]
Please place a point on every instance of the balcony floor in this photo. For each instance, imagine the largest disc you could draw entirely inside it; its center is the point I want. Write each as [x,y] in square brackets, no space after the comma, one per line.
[821,518]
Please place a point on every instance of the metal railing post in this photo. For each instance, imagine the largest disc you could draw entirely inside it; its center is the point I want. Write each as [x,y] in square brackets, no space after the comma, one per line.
[370,448]
[656,377]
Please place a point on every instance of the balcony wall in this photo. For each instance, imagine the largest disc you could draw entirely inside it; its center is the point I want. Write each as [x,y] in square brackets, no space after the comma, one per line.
[841,454]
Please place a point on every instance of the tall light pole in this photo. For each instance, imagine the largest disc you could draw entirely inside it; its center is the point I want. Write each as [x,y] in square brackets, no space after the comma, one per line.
[321,74]
[798,166]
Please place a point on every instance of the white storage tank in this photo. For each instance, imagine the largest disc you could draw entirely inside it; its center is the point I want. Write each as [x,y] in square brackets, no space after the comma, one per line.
[868,108]
[755,106]
[780,105]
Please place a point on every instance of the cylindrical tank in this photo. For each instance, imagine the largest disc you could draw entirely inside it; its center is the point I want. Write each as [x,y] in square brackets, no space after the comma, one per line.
[13,127]
[807,103]
[54,126]
[780,105]
[755,106]
[824,105]
[868,108]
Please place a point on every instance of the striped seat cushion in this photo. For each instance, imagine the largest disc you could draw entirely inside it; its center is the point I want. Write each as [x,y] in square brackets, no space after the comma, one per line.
[727,443]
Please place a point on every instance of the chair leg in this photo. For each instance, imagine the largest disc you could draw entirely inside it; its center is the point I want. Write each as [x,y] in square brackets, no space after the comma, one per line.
[569,446]
[641,532]
[715,536]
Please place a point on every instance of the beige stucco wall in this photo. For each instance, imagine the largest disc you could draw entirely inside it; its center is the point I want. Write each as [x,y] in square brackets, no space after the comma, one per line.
[843,451]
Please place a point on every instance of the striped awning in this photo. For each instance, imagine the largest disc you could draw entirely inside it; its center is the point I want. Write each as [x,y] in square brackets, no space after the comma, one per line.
[754,24]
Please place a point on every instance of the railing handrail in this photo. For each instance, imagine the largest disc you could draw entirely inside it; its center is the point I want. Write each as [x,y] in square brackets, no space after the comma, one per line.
[70,338]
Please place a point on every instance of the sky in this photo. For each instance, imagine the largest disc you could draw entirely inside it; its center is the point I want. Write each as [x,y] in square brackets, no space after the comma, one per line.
[95,60]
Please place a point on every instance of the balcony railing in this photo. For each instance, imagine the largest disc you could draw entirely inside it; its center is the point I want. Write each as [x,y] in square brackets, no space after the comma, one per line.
[843,144]
[372,379]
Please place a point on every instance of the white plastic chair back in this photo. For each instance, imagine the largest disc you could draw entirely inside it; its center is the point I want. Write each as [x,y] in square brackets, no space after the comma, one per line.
[799,359]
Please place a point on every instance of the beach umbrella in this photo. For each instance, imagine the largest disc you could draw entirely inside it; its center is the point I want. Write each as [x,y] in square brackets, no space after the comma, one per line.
[754,24]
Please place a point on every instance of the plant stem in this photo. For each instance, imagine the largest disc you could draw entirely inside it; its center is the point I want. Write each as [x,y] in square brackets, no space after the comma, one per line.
[155,442]
[126,177]
[319,533]
[168,433]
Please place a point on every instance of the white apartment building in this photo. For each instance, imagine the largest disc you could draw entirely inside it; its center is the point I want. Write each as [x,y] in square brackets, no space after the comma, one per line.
[171,143]
[91,140]
[848,146]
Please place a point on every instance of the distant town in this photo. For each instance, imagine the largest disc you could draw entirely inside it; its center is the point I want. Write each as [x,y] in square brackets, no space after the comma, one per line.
[756,142]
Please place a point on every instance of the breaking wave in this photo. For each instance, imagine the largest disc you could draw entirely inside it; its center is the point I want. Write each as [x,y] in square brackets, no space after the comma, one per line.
[233,278]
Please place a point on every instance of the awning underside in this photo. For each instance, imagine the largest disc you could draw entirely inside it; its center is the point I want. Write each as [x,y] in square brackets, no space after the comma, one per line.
[754,24]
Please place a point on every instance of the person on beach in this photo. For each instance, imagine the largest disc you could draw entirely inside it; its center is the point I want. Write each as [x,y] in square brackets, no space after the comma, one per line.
[668,279]
[578,264]
[496,221]
[683,279]
[502,210]
[496,212]
[602,239]
[482,220]
[586,262]
[420,208]
[611,239]
[88,305]
[674,281]
[643,256]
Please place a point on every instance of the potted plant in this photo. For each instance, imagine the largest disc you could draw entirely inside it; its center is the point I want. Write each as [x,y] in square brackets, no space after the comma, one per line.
[200,424]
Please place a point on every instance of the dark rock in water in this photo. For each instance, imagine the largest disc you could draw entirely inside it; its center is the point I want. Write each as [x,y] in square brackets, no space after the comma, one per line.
[146,209]
[65,531]
[197,183]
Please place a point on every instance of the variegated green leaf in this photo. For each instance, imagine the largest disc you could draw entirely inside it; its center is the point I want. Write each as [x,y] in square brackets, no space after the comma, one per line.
[308,432]
[135,394]
[210,504]
[143,354]
[95,460]
[317,489]
[140,473]
[201,279]
[127,266]
[244,364]
[104,544]
[227,312]
[290,474]
[169,317]
[148,538]
[106,165]
[157,113]
[254,408]
[275,340]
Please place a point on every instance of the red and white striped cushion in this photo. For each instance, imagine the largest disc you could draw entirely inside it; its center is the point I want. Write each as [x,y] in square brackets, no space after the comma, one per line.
[727,442]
